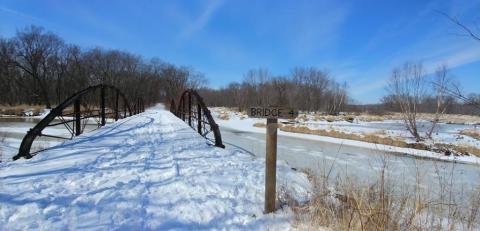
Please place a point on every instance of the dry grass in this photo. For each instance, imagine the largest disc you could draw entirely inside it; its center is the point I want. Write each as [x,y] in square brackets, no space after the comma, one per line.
[223,116]
[259,125]
[370,138]
[467,149]
[19,110]
[387,205]
[474,133]
[447,118]
[457,149]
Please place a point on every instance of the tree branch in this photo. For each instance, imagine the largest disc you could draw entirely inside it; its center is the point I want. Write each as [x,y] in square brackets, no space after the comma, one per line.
[461,25]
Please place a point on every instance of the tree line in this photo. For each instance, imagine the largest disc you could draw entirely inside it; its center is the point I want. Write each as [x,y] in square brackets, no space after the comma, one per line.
[305,88]
[39,67]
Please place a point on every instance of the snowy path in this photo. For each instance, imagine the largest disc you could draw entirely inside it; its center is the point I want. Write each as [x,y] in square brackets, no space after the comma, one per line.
[147,172]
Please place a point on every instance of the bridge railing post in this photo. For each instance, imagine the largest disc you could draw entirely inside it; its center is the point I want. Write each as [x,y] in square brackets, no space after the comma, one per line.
[102,104]
[202,113]
[183,109]
[76,111]
[125,108]
[116,104]
[172,107]
[199,119]
[88,96]
[189,109]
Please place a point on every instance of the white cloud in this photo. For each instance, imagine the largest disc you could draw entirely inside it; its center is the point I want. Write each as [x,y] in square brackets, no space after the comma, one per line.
[19,14]
[198,23]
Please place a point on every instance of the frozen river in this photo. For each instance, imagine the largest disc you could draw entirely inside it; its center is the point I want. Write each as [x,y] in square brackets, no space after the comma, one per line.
[360,163]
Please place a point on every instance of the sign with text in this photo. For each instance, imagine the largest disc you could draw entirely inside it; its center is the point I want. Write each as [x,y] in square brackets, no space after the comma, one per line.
[272,112]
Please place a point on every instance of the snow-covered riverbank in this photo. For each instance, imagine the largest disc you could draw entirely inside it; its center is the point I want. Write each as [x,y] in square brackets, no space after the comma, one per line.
[148,171]
[447,133]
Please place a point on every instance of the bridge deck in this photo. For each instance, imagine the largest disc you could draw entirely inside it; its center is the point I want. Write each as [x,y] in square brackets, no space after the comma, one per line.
[148,171]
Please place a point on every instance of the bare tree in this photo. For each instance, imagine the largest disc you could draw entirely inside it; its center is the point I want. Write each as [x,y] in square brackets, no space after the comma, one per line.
[311,88]
[37,67]
[440,83]
[8,73]
[196,80]
[280,87]
[336,98]
[466,29]
[408,88]
[454,90]
[36,53]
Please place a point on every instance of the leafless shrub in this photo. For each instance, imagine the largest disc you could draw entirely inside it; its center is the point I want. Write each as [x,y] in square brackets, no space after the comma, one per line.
[408,88]
[388,204]
[441,82]
[474,133]
[409,91]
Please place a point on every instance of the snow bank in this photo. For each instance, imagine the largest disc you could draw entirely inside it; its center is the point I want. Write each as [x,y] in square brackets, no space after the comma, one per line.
[149,171]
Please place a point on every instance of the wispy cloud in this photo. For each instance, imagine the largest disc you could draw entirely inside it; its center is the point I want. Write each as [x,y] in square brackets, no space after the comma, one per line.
[432,46]
[19,14]
[453,56]
[199,22]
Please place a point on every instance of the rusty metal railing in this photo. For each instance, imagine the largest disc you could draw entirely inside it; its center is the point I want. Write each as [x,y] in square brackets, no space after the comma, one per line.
[95,103]
[192,109]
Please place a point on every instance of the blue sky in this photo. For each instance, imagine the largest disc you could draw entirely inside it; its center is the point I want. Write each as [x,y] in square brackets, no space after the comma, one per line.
[356,41]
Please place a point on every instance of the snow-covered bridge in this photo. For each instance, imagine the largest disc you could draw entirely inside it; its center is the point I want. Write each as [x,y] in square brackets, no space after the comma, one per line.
[150,171]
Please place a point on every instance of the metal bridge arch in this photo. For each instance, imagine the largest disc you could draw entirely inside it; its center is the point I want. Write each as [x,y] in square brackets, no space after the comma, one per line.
[78,115]
[192,109]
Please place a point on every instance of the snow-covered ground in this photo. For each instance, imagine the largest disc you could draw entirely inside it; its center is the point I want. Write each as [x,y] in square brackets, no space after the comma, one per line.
[146,172]
[445,133]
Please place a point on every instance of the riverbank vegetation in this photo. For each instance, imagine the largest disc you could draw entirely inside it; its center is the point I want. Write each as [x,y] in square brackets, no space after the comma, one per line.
[382,138]
[386,203]
[474,133]
[21,110]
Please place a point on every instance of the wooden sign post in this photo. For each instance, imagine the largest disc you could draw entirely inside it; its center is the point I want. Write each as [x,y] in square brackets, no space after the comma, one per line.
[272,114]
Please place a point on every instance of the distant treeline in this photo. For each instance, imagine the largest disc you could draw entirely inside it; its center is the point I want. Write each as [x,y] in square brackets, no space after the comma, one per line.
[38,67]
[308,89]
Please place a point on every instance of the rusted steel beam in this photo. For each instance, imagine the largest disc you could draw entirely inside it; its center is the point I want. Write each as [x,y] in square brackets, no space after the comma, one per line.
[192,95]
[190,110]
[125,108]
[116,104]
[199,119]
[173,110]
[74,100]
[102,105]
[182,111]
[78,122]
